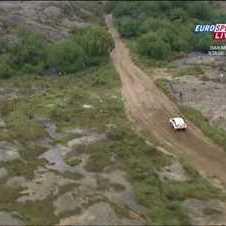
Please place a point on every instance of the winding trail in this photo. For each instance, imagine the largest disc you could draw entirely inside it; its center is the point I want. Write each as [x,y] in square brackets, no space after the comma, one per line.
[150,110]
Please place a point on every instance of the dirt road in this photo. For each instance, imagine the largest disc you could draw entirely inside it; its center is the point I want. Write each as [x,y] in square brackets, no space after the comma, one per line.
[150,110]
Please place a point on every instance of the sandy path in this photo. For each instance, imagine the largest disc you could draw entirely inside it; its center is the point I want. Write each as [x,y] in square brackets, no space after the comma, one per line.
[150,110]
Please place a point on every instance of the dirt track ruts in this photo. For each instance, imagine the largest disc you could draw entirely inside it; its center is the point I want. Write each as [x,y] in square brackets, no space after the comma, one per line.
[150,110]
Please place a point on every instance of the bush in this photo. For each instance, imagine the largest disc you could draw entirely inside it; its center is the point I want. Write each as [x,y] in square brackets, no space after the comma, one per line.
[29,49]
[5,71]
[66,56]
[165,18]
[154,24]
[129,27]
[126,8]
[179,15]
[86,48]
[96,42]
[32,54]
[152,46]
[200,10]
[201,42]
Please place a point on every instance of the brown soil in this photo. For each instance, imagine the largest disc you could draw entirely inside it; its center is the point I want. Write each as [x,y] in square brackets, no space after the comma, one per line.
[150,111]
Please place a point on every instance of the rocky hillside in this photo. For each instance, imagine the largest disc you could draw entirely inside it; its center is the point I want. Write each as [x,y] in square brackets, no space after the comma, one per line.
[54,19]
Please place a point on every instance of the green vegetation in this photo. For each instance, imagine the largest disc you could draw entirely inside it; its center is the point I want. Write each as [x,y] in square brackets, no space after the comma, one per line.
[142,164]
[190,70]
[73,161]
[97,160]
[28,53]
[19,118]
[31,53]
[163,84]
[163,30]
[150,45]
[61,101]
[218,135]
[66,56]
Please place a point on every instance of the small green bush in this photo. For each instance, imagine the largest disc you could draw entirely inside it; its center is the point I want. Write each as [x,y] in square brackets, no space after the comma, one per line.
[154,24]
[201,42]
[66,56]
[179,15]
[28,49]
[96,43]
[201,10]
[152,46]
[129,27]
[5,71]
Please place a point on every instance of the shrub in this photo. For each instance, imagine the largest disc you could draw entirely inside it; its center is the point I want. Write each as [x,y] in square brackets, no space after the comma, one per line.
[29,49]
[4,46]
[154,24]
[125,8]
[96,43]
[201,42]
[129,27]
[152,46]
[5,70]
[165,17]
[66,56]
[200,10]
[31,53]
[86,48]
[178,14]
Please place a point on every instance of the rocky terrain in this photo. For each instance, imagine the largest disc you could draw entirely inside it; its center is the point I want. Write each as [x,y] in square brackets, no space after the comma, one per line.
[65,163]
[203,89]
[53,19]
[57,172]
[68,153]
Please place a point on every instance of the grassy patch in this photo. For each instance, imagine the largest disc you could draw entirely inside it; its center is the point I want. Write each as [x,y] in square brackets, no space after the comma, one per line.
[20,122]
[31,212]
[73,161]
[217,134]
[163,84]
[191,70]
[29,161]
[142,162]
[99,158]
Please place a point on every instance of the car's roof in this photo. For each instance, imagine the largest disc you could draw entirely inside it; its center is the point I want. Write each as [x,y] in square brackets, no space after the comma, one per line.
[179,121]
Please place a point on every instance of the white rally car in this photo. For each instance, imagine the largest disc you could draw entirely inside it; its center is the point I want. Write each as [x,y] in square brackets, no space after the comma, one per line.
[178,123]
